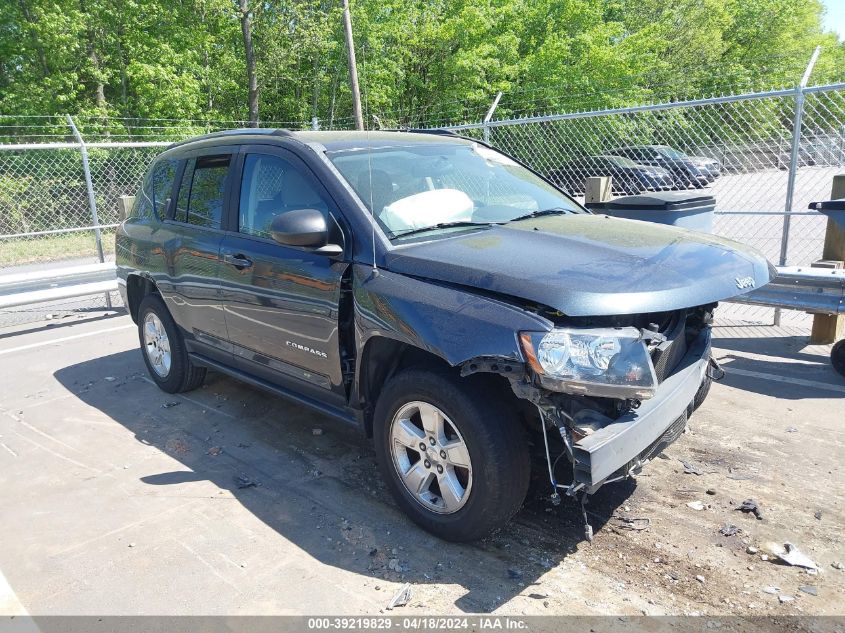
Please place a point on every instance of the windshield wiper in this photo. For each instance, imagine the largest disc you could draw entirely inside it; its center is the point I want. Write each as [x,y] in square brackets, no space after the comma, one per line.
[441,225]
[541,212]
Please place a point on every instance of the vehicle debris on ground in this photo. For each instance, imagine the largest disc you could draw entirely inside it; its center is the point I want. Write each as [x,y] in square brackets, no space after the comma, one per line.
[750,505]
[401,598]
[790,555]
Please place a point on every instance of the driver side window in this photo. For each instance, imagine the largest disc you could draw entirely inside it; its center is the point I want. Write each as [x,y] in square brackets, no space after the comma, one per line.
[271,186]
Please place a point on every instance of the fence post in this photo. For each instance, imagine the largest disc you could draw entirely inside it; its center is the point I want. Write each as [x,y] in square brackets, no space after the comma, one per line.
[793,163]
[315,123]
[485,124]
[92,202]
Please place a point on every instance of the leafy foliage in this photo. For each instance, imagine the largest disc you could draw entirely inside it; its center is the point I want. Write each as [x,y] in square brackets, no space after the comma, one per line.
[126,63]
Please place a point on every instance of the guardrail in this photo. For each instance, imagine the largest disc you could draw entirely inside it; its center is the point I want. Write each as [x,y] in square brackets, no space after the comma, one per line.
[52,284]
[814,290]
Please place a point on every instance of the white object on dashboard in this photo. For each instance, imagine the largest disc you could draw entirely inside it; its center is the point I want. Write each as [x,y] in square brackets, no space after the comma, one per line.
[427,209]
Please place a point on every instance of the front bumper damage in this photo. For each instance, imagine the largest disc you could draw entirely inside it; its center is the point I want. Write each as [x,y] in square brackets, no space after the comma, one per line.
[618,449]
[621,448]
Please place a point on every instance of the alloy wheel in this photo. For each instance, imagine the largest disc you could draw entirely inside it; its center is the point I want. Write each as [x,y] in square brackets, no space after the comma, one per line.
[157,345]
[430,457]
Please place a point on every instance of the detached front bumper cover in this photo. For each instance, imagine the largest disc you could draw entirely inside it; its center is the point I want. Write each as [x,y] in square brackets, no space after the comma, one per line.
[618,449]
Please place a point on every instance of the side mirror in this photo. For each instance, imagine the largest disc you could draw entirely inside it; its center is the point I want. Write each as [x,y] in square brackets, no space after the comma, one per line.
[302,227]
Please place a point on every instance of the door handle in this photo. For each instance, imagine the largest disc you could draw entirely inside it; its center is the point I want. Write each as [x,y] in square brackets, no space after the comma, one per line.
[238,261]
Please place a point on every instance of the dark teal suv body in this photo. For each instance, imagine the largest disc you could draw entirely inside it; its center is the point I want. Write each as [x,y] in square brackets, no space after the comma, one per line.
[434,291]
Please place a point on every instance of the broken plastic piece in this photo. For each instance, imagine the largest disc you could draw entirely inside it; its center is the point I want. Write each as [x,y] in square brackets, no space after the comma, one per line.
[245,481]
[636,524]
[714,370]
[402,597]
[791,555]
[691,469]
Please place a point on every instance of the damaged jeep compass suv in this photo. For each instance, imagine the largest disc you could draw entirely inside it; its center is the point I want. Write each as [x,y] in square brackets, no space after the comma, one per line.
[451,302]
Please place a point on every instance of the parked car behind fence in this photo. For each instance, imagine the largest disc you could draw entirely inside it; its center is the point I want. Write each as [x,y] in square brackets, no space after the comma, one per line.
[688,171]
[627,176]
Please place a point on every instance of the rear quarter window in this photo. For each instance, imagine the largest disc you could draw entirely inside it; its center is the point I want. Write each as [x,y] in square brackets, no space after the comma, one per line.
[152,198]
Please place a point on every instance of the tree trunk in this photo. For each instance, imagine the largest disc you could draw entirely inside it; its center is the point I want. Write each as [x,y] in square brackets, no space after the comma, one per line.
[31,20]
[335,81]
[96,71]
[252,79]
[100,87]
[121,56]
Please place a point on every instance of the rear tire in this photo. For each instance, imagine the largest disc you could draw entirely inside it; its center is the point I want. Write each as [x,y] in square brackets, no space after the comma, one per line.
[837,357]
[478,427]
[163,348]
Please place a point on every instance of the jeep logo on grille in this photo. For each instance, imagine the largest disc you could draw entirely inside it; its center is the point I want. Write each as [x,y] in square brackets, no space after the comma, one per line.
[744,282]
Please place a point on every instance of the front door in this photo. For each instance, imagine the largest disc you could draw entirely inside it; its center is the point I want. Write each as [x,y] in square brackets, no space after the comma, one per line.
[281,302]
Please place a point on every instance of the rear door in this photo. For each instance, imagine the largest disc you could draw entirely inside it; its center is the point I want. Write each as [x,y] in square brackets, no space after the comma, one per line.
[281,302]
[191,245]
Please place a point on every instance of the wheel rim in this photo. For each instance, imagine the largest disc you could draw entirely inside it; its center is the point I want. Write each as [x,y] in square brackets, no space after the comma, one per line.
[157,345]
[430,457]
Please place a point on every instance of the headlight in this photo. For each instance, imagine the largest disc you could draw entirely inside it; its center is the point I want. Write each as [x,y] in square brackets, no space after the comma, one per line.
[604,362]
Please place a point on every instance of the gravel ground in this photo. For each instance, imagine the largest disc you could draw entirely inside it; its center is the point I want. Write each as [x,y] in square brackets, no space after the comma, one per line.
[112,490]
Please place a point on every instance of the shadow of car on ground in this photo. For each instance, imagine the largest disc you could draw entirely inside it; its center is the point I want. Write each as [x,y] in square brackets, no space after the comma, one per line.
[321,490]
[789,371]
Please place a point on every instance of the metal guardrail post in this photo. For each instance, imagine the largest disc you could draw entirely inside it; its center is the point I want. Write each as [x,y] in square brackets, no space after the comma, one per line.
[793,164]
[92,201]
[486,128]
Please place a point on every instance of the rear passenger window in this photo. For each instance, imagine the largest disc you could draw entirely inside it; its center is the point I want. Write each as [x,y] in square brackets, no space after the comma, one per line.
[200,199]
[156,190]
[271,186]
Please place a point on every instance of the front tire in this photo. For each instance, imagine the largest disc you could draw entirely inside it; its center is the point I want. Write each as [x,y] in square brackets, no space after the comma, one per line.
[453,455]
[163,348]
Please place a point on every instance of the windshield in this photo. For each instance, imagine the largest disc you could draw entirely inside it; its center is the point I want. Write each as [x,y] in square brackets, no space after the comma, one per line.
[671,153]
[621,161]
[446,186]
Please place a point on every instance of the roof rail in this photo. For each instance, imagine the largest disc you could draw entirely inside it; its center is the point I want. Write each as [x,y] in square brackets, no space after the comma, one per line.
[262,131]
[436,131]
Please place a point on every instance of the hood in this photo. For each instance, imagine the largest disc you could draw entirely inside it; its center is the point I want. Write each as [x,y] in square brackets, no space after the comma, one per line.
[590,265]
[657,171]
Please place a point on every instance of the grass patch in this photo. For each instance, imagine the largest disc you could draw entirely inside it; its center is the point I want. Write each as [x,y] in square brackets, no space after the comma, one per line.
[49,248]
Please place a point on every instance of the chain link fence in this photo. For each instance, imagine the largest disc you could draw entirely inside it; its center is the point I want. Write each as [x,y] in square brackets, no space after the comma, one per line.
[741,149]
[46,218]
[49,219]
[760,155]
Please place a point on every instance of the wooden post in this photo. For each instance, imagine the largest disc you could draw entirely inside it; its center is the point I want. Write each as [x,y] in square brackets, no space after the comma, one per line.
[597,189]
[828,328]
[126,203]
